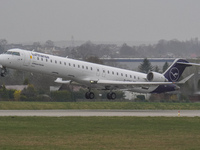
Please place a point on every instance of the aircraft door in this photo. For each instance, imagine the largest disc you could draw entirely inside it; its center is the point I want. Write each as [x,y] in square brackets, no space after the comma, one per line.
[27,58]
[98,72]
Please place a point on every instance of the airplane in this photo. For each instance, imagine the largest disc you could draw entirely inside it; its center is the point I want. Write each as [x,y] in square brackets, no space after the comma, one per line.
[95,75]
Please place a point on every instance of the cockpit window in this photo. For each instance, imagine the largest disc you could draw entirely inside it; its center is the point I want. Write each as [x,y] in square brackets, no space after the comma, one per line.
[13,53]
[8,52]
[16,53]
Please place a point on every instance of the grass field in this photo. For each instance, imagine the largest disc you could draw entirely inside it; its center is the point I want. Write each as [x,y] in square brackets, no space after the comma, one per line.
[99,133]
[96,105]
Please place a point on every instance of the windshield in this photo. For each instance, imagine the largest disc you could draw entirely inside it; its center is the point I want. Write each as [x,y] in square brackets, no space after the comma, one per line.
[13,53]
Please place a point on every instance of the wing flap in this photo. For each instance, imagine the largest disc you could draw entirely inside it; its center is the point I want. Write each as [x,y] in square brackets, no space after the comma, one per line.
[59,80]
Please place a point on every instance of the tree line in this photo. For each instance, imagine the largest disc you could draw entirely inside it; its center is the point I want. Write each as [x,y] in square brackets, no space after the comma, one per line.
[163,48]
[30,93]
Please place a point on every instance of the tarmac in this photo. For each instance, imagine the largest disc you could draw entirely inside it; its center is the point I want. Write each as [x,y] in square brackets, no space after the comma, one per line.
[102,112]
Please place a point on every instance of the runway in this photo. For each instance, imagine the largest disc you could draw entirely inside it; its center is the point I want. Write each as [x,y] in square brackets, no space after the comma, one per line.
[104,112]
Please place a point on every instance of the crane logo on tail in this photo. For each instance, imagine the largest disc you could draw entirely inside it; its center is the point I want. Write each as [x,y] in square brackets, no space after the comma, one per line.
[174,74]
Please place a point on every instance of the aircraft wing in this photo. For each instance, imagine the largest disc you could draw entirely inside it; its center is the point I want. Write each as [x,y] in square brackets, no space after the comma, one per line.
[122,84]
[113,82]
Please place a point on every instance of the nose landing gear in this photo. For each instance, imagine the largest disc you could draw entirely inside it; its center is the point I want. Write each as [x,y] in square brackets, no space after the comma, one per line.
[3,71]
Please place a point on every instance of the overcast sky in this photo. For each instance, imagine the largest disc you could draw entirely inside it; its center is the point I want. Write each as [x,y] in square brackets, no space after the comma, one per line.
[99,20]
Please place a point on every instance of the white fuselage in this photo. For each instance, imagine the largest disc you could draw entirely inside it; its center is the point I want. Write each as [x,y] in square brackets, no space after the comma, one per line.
[71,69]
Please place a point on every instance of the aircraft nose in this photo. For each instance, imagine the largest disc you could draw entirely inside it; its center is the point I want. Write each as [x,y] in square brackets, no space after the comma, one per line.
[2,59]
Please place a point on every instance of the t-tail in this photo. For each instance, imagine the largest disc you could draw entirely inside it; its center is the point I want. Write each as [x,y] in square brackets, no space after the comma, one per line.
[174,72]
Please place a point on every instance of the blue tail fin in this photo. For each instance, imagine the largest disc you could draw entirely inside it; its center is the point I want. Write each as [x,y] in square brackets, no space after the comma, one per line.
[174,72]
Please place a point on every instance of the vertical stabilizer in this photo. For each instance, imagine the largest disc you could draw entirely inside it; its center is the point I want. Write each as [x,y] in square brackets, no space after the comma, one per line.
[174,72]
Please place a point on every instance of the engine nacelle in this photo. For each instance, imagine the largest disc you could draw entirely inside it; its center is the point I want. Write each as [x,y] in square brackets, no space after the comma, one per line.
[156,77]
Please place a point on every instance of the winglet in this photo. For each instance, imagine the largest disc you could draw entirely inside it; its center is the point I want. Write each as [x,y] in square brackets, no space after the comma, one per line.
[185,79]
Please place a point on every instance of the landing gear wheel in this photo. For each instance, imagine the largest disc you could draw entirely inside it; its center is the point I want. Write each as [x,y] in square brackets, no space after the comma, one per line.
[108,96]
[89,95]
[111,95]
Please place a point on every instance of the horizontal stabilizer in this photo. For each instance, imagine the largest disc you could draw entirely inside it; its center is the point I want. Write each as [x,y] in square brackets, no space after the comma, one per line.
[189,64]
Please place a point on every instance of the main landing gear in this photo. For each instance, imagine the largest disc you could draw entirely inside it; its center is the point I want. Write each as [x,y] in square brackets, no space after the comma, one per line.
[89,95]
[110,96]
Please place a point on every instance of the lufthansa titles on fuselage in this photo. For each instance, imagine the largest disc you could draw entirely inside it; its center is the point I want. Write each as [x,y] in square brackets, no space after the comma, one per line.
[40,55]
